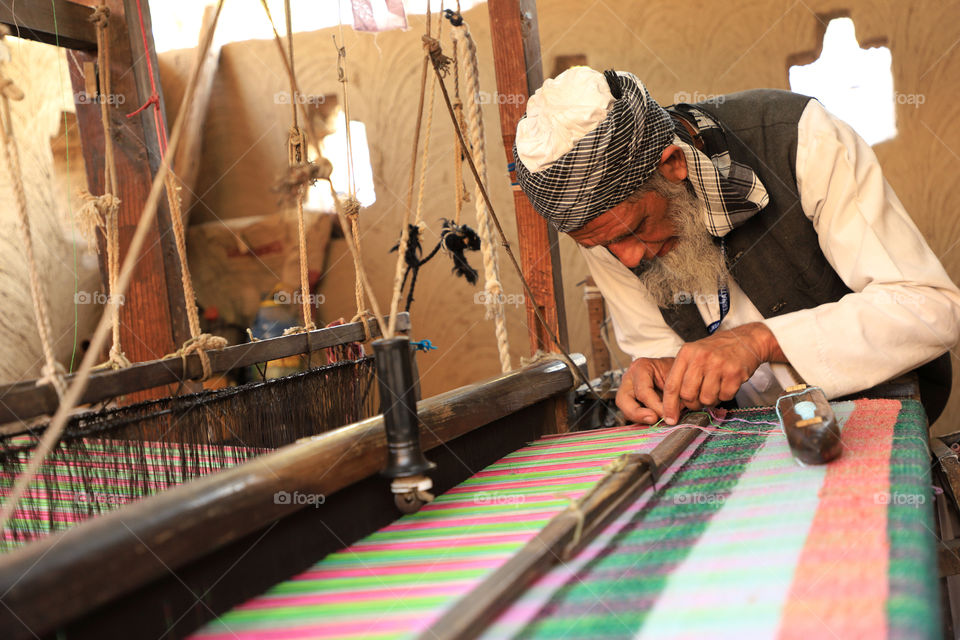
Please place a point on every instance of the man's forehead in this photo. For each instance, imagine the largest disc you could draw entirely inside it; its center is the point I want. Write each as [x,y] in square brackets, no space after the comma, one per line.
[607,226]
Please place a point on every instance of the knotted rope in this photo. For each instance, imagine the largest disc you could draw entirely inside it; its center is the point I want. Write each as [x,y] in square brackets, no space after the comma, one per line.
[467,51]
[103,211]
[198,342]
[51,370]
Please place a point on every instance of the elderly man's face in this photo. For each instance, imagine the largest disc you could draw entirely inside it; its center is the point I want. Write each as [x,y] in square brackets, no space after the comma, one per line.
[635,230]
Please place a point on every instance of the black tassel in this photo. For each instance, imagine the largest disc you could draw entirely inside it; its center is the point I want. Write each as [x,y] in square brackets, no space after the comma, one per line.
[458,239]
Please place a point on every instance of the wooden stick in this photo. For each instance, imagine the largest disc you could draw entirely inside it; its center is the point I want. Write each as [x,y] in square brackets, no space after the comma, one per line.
[567,533]
[26,399]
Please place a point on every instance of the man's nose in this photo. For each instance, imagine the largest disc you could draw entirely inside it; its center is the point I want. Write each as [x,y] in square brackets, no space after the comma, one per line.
[631,253]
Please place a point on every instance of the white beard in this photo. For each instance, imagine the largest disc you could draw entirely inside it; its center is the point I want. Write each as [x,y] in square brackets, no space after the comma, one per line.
[695,266]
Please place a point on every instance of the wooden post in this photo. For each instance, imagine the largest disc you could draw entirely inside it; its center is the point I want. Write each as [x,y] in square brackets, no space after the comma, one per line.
[513,25]
[152,320]
[596,313]
[513,28]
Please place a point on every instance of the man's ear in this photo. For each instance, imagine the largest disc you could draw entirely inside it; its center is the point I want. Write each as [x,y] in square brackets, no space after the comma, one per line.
[673,164]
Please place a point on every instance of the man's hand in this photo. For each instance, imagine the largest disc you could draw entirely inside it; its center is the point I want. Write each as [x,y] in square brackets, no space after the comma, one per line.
[702,374]
[639,395]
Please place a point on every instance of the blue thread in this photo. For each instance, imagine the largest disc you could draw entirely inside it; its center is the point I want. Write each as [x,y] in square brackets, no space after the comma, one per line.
[423,345]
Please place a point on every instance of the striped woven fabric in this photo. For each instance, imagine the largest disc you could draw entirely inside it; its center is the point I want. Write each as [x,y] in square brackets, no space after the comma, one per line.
[739,541]
[91,476]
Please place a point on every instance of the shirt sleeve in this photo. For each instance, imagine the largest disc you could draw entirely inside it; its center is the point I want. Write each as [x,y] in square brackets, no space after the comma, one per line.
[637,323]
[904,309]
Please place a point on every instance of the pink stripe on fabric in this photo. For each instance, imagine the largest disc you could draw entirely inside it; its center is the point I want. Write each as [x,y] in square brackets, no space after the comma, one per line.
[395,569]
[841,584]
[344,597]
[445,541]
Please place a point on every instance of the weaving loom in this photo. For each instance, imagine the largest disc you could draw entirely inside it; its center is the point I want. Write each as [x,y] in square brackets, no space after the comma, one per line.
[111,457]
[738,541]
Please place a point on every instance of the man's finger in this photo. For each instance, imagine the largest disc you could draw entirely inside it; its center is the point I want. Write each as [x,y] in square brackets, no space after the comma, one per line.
[710,390]
[645,390]
[633,410]
[671,389]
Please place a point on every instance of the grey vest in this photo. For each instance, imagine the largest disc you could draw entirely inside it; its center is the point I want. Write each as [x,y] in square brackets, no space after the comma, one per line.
[775,256]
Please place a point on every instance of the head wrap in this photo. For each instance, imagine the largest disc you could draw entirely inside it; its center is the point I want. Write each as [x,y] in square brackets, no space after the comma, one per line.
[581,148]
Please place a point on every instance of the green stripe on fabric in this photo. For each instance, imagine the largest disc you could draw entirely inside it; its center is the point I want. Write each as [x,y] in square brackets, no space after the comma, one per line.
[630,572]
[913,606]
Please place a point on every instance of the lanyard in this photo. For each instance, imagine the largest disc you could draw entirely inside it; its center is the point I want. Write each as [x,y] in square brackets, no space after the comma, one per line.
[723,294]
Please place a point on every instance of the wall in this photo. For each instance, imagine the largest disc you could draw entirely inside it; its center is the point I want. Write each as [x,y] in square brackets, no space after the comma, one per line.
[65,264]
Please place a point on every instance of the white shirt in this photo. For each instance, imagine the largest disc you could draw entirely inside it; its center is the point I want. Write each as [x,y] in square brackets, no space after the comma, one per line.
[904,310]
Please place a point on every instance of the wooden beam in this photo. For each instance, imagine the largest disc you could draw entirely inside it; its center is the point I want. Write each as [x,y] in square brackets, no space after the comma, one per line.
[52,21]
[513,28]
[152,320]
[23,400]
[53,580]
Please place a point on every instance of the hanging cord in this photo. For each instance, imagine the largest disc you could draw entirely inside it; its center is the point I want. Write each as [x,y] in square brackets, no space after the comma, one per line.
[51,371]
[345,210]
[412,250]
[491,264]
[351,206]
[439,62]
[405,232]
[460,190]
[296,159]
[79,382]
[104,211]
[154,98]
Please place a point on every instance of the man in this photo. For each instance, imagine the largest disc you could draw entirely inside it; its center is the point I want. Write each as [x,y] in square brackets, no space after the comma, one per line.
[741,244]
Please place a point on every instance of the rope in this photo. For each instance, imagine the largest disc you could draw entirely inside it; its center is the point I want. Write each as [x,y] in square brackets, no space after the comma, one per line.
[50,373]
[104,211]
[198,341]
[351,206]
[460,191]
[79,382]
[405,227]
[491,264]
